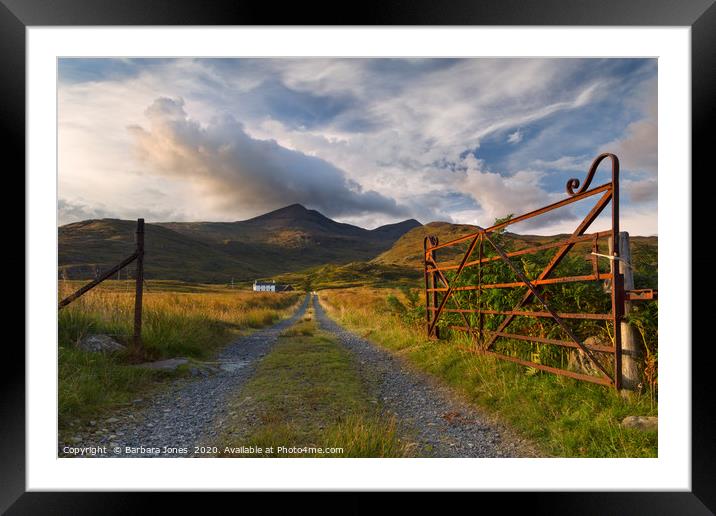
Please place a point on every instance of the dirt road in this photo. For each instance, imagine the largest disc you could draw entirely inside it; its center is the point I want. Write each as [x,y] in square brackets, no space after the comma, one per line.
[190,413]
[445,426]
[187,419]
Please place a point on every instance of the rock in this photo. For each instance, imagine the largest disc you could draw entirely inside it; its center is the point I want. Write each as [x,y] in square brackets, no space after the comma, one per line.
[171,364]
[579,362]
[645,423]
[100,344]
[76,439]
[112,420]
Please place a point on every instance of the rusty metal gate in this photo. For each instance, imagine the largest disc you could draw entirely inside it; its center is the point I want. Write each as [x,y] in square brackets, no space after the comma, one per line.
[443,288]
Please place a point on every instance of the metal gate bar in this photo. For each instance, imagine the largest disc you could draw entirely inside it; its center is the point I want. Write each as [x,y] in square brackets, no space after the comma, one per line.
[439,290]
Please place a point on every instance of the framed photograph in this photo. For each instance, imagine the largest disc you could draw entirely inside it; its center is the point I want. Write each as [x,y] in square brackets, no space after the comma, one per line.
[419,252]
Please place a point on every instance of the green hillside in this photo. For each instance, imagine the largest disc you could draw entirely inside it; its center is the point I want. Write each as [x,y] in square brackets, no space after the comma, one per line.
[100,244]
[294,238]
[357,274]
[292,245]
[289,239]
[407,252]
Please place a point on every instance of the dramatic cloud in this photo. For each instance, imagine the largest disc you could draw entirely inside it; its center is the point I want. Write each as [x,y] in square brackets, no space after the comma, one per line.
[638,148]
[366,141]
[641,191]
[227,163]
[638,153]
[499,196]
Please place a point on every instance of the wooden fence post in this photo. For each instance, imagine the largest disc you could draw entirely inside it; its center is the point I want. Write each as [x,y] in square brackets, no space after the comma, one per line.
[140,284]
[631,349]
[436,303]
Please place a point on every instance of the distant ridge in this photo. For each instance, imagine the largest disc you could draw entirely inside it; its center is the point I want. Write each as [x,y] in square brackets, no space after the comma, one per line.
[287,239]
[407,249]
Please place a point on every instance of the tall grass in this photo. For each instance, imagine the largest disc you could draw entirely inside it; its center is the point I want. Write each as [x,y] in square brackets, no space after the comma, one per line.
[189,324]
[565,417]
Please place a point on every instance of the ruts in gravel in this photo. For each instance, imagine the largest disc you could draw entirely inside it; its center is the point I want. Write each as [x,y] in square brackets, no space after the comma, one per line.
[443,425]
[190,413]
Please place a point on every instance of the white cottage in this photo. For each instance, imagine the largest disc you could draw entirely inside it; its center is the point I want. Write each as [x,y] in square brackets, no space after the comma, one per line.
[264,286]
[271,286]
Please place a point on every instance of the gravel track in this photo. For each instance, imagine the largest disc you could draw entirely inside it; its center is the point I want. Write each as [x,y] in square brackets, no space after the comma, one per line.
[190,413]
[443,425]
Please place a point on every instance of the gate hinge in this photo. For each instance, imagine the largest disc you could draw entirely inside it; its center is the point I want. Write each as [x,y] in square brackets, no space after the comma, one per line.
[643,294]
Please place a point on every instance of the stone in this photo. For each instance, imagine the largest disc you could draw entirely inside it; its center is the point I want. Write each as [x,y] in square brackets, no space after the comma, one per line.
[112,420]
[232,366]
[645,423]
[170,364]
[579,362]
[100,344]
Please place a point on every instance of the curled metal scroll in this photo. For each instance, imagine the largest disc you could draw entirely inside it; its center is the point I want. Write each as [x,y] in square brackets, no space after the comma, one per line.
[573,183]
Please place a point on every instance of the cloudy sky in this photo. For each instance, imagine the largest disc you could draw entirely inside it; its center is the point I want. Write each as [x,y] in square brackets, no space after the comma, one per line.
[364,141]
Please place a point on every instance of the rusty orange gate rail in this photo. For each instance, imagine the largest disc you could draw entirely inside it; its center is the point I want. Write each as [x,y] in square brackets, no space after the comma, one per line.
[441,290]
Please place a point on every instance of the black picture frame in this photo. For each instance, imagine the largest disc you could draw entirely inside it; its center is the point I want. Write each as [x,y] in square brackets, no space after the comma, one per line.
[700,15]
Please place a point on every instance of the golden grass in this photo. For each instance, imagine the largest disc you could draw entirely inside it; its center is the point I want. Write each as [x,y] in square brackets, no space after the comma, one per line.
[168,318]
[192,323]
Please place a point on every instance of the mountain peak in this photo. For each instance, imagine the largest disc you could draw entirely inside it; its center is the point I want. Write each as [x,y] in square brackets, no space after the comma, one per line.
[291,211]
[294,206]
[291,208]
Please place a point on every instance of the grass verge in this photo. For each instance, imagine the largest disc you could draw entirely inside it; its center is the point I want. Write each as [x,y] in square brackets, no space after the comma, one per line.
[193,323]
[564,417]
[306,396]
